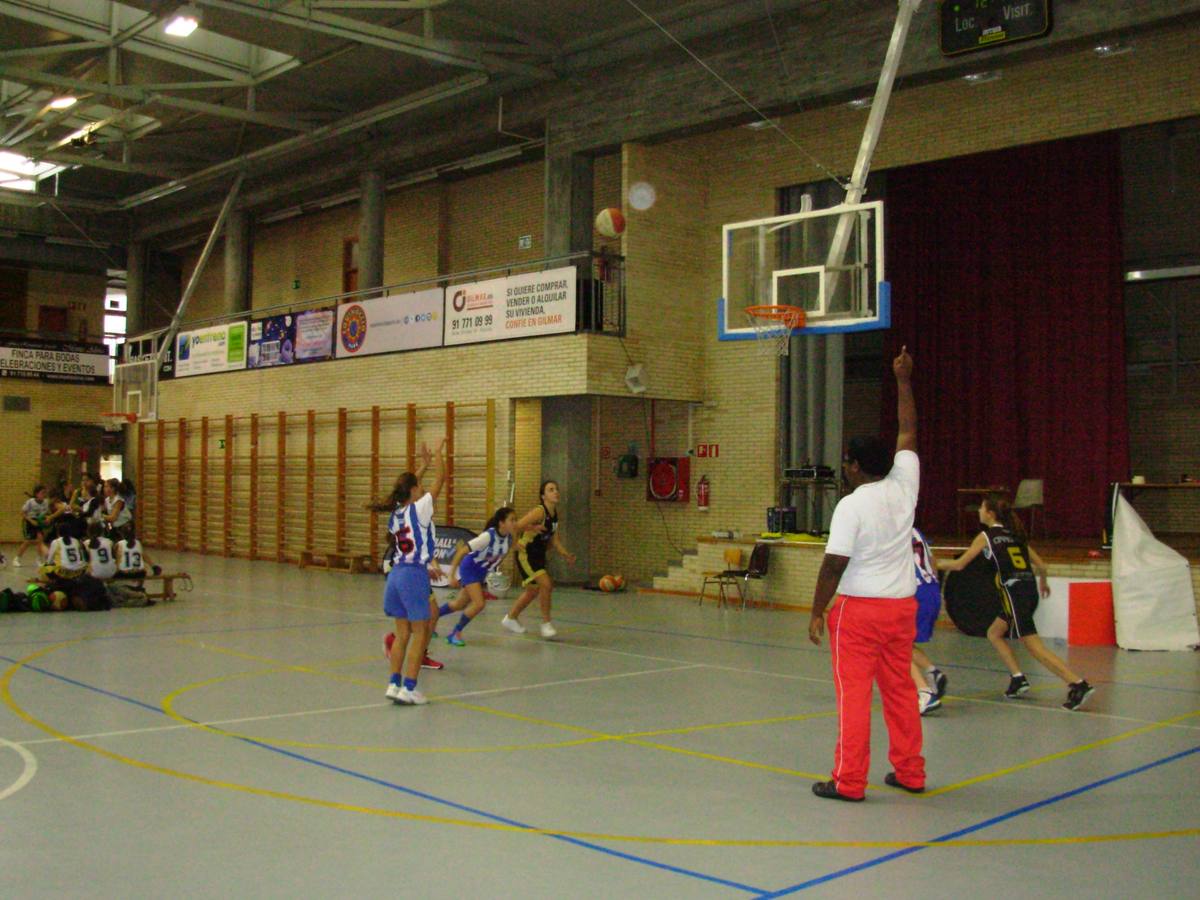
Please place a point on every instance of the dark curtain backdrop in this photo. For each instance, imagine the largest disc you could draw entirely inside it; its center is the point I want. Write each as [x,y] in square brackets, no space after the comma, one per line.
[1007,288]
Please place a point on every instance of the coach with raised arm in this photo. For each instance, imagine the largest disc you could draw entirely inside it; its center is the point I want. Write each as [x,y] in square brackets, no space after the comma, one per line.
[869,565]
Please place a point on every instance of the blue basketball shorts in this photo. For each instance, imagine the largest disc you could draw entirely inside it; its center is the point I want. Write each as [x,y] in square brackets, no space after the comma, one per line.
[470,572]
[406,595]
[929,604]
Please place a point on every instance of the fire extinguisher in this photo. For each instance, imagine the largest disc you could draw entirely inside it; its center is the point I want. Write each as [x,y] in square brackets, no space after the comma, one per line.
[702,490]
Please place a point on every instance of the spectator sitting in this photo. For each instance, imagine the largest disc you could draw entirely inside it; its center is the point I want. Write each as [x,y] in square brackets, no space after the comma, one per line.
[117,517]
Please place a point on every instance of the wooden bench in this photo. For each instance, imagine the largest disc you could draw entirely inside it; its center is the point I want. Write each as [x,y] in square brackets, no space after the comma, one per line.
[167,592]
[352,563]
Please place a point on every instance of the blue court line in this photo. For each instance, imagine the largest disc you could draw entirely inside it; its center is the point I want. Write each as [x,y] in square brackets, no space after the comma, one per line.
[979,826]
[804,648]
[413,792]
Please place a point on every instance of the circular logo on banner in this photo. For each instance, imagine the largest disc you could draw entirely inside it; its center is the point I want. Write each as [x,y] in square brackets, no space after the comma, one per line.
[460,301]
[354,328]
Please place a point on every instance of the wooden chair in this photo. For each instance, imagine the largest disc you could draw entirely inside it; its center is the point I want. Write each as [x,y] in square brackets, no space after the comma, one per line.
[728,577]
[1029,501]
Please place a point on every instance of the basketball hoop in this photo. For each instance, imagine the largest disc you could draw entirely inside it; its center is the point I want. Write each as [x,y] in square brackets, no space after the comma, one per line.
[114,421]
[773,325]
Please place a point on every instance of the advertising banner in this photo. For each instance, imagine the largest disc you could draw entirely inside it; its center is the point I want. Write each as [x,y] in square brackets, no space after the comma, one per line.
[53,361]
[272,342]
[518,306]
[387,324]
[221,348]
[314,334]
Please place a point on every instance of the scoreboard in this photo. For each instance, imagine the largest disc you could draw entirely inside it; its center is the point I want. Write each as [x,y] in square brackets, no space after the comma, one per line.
[975,24]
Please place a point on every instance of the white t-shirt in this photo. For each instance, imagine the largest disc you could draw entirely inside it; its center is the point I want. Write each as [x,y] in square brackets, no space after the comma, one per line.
[102,559]
[129,556]
[35,509]
[123,516]
[66,554]
[873,526]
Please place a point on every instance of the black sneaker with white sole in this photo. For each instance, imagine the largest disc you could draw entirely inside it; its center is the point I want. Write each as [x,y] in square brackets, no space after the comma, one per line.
[939,684]
[1017,686]
[1077,693]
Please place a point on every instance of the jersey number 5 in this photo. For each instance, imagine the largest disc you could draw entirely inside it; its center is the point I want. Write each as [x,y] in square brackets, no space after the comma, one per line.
[403,541]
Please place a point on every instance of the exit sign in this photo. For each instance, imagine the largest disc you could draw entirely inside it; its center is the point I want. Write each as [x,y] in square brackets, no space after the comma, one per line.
[977,24]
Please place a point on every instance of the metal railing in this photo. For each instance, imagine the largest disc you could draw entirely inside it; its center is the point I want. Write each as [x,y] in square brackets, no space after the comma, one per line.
[599,298]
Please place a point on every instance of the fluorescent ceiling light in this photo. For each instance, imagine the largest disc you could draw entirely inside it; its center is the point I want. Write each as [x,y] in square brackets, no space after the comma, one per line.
[1111,48]
[981,77]
[63,102]
[861,103]
[759,124]
[185,20]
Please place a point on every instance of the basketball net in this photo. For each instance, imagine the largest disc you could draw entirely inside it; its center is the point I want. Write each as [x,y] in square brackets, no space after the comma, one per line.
[773,325]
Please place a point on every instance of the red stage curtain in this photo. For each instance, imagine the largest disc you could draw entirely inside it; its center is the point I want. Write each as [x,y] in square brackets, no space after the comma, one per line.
[1007,288]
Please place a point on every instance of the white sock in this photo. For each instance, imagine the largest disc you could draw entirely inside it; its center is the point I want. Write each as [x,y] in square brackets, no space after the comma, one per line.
[1019,675]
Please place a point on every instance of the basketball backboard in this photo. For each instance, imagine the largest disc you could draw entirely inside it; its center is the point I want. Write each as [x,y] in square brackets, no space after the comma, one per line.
[828,262]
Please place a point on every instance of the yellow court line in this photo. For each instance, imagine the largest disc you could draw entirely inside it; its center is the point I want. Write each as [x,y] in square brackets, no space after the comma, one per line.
[595,736]
[1062,754]
[10,702]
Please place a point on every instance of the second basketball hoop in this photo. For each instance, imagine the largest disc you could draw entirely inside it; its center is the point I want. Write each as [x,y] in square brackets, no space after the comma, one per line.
[773,325]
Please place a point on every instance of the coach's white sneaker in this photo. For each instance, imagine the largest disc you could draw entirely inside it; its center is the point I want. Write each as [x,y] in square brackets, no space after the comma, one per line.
[512,625]
[393,693]
[412,698]
[548,630]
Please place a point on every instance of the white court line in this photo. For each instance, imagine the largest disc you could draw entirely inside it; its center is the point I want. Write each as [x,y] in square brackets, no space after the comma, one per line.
[682,662]
[27,773]
[337,709]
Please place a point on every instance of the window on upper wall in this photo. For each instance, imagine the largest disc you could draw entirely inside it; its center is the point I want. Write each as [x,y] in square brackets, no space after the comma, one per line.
[115,323]
[350,265]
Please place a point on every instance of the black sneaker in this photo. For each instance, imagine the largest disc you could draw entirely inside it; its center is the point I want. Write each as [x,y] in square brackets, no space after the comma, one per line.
[827,790]
[1077,693]
[891,780]
[939,684]
[1017,685]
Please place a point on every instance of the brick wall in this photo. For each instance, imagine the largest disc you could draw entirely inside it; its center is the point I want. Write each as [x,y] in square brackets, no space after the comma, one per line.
[674,277]
[23,437]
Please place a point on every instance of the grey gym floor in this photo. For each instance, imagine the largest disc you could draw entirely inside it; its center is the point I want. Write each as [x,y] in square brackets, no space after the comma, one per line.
[237,743]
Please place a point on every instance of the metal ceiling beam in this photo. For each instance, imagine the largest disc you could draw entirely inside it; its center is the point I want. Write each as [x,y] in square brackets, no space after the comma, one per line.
[39,15]
[350,123]
[53,49]
[140,95]
[473,21]
[157,170]
[380,36]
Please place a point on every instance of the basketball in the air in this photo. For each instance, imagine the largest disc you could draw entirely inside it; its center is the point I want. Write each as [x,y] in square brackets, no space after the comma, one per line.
[610,222]
[607,584]
[618,581]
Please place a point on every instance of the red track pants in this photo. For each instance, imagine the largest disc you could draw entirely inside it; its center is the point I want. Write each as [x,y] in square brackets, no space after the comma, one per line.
[871,640]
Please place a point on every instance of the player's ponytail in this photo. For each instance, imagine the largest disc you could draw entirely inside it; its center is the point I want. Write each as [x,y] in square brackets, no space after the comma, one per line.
[499,516]
[401,492]
[1001,507]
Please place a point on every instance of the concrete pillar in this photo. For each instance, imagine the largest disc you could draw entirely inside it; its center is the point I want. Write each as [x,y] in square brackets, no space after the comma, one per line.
[370,231]
[237,261]
[135,287]
[568,203]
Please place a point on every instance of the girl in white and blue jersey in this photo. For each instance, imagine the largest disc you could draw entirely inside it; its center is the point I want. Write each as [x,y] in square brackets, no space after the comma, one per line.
[473,561]
[406,597]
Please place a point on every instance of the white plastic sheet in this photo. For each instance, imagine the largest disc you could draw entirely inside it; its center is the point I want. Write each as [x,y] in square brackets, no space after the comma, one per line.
[1153,599]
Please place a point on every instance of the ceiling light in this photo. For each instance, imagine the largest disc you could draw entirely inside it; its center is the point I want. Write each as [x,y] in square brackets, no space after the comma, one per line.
[861,103]
[759,124]
[63,102]
[1111,48]
[981,77]
[185,20]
